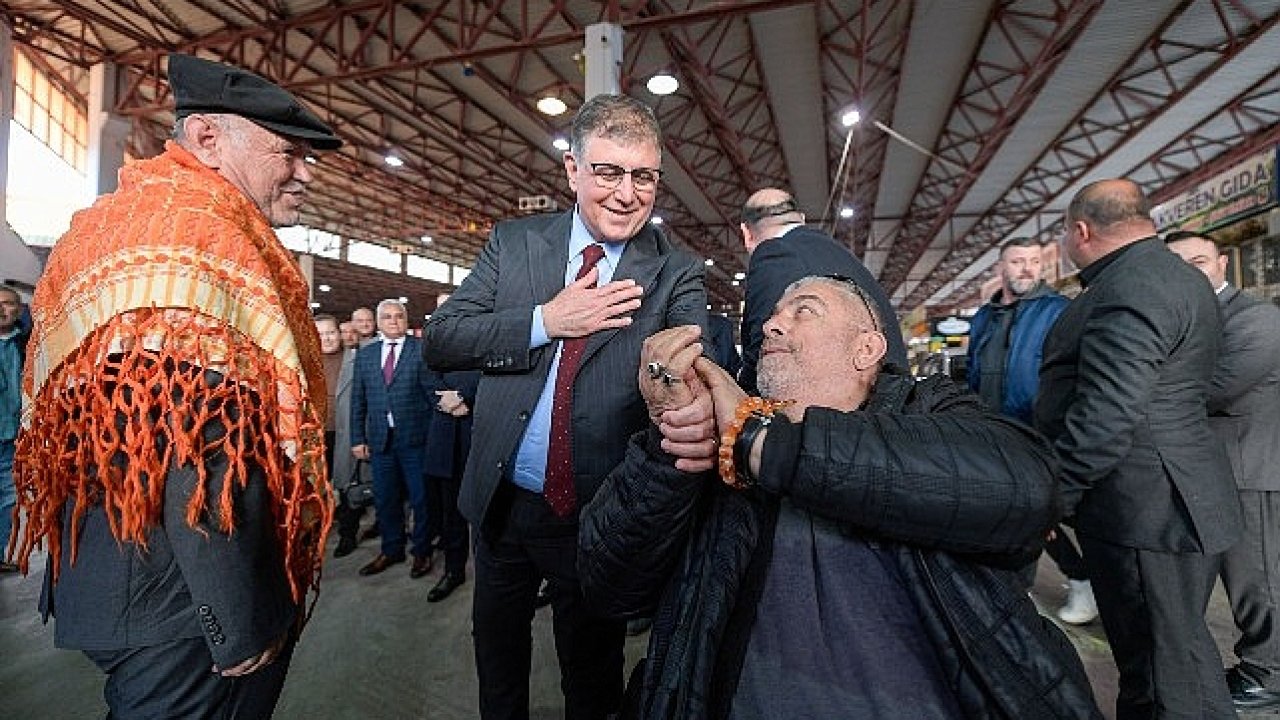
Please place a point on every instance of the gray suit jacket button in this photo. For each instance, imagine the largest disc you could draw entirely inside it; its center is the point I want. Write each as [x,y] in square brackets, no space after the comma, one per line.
[205,610]
[522,416]
[218,638]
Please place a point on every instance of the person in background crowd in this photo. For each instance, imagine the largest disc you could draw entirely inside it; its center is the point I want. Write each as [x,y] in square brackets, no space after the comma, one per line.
[331,355]
[1123,390]
[721,346]
[365,324]
[448,445]
[1244,412]
[846,553]
[1005,341]
[13,349]
[185,523]
[554,313]
[390,417]
[783,250]
[350,338]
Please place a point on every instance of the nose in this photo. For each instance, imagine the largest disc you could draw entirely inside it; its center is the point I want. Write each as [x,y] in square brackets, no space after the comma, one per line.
[626,190]
[772,326]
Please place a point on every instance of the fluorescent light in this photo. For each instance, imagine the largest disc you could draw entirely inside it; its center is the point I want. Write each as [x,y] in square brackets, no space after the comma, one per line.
[846,212]
[315,305]
[393,160]
[427,239]
[560,144]
[551,105]
[850,118]
[662,84]
[709,262]
[656,220]
[739,276]
[325,288]
[736,283]
[403,299]
[311,160]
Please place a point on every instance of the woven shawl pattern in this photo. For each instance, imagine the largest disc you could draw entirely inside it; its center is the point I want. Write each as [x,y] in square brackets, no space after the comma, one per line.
[175,274]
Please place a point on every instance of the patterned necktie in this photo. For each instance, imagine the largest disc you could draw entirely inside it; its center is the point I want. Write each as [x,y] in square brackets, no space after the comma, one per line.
[389,366]
[558,483]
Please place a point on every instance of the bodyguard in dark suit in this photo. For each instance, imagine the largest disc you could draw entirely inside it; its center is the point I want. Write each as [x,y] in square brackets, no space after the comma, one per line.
[548,293]
[720,345]
[448,445]
[1244,412]
[391,402]
[1123,390]
[782,251]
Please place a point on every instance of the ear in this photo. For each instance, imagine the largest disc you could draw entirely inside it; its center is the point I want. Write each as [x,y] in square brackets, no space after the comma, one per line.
[869,350]
[202,138]
[571,170]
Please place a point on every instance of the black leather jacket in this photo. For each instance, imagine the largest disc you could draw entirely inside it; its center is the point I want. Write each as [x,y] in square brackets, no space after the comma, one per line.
[965,496]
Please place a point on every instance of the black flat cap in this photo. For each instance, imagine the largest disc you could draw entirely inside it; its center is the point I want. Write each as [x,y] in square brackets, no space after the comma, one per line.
[202,86]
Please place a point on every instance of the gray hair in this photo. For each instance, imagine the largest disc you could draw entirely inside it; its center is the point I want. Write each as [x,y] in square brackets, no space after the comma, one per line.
[614,117]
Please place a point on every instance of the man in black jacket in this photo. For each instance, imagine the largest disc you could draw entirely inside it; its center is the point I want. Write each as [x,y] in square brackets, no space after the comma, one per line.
[1123,387]
[858,558]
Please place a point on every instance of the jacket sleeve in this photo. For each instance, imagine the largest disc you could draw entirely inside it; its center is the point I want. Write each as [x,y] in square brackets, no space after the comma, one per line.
[957,478]
[469,332]
[632,533]
[1248,355]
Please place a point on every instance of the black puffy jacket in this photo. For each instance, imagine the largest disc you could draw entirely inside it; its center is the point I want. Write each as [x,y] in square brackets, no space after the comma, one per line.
[964,496]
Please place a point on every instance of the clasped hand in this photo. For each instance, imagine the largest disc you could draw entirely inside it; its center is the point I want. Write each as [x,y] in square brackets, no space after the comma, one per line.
[581,309]
[689,397]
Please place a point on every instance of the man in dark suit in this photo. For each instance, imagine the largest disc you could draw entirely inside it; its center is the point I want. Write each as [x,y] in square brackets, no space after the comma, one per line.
[720,345]
[184,512]
[1244,412]
[390,412]
[1123,389]
[782,251]
[554,312]
[448,445]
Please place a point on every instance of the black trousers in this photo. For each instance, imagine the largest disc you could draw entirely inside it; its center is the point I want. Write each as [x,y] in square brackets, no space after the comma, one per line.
[1064,553]
[1152,605]
[455,540]
[522,542]
[174,681]
[1251,576]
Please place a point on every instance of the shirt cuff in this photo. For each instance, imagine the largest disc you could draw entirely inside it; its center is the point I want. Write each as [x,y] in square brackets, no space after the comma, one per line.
[537,331]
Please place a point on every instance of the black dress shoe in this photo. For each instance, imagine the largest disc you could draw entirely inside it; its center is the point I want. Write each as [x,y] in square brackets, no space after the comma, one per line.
[421,566]
[1247,692]
[446,586]
[543,597]
[346,546]
[380,563]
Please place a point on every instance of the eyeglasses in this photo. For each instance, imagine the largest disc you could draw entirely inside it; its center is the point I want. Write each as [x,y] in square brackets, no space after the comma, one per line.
[609,176]
[856,289]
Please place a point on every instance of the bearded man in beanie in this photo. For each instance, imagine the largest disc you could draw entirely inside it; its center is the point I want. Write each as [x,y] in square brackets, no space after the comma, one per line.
[173,448]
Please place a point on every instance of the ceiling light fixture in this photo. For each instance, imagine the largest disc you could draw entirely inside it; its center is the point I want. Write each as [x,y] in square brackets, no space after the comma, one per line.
[551,105]
[393,160]
[710,262]
[846,212]
[325,288]
[656,220]
[850,118]
[560,144]
[403,300]
[739,276]
[427,239]
[663,83]
[311,159]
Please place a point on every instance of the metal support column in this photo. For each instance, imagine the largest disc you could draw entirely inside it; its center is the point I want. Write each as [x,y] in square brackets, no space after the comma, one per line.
[7,89]
[603,52]
[107,131]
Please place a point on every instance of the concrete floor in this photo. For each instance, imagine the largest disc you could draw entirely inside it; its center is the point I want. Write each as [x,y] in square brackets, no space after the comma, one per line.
[422,652]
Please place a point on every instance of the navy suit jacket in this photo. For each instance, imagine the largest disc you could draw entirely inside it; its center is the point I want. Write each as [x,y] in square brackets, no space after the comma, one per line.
[799,253]
[485,325]
[410,397]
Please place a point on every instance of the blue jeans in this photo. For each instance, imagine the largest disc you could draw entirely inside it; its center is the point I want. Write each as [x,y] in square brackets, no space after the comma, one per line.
[7,496]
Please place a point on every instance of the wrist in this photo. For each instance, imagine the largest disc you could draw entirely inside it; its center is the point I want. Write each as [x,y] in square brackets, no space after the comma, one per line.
[738,452]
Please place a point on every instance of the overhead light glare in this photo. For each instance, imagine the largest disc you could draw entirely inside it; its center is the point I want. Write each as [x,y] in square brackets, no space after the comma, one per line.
[315,306]
[427,239]
[739,276]
[846,212]
[311,159]
[656,220]
[393,160]
[403,300]
[850,118]
[551,105]
[710,262]
[560,144]
[663,84]
[325,288]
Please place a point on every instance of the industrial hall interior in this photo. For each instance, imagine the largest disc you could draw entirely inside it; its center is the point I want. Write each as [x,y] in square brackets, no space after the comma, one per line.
[620,359]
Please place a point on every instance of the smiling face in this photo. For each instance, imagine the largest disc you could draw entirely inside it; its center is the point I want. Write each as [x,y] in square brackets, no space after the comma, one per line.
[270,169]
[820,347]
[612,215]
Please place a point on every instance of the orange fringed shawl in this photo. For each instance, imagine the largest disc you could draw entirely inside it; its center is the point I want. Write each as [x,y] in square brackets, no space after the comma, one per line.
[176,270]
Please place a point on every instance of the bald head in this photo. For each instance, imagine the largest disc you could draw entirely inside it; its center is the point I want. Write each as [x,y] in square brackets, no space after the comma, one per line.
[767,214]
[1105,216]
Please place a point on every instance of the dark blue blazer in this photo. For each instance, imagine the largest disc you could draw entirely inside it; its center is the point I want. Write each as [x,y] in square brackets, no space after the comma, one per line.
[449,438]
[410,397]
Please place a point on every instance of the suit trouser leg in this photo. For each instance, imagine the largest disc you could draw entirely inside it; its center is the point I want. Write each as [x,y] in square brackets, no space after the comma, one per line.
[172,681]
[454,538]
[1064,553]
[1251,576]
[523,543]
[388,502]
[1152,606]
[413,471]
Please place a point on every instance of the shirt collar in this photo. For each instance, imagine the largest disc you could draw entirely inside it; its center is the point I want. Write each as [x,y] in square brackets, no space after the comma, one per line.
[580,238]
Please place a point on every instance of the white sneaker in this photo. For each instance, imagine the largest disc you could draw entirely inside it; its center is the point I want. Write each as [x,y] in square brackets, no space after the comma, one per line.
[1080,608]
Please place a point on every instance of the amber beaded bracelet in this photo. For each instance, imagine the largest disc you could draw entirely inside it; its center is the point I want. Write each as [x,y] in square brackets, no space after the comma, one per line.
[749,407]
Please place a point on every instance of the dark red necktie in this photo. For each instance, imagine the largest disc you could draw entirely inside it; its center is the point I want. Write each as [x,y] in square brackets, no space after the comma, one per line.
[389,366]
[558,484]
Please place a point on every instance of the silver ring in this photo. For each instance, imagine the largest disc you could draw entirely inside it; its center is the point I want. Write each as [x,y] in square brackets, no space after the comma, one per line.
[657,371]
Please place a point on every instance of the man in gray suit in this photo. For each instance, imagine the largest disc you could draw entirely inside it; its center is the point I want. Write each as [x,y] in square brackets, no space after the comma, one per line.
[554,313]
[1123,386]
[1244,412]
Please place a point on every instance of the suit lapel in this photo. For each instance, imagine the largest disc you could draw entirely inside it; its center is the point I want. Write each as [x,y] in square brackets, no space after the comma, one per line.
[404,352]
[548,256]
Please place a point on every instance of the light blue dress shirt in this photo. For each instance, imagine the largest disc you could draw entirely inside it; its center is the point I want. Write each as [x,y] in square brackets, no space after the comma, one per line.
[531,458]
